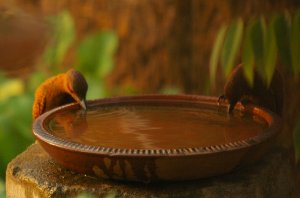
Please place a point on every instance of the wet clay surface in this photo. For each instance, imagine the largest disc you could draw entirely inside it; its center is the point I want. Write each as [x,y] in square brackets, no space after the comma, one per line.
[38,174]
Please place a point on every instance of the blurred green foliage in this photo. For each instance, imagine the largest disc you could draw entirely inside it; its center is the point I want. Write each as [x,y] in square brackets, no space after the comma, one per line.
[296,138]
[85,195]
[110,194]
[170,90]
[63,34]
[232,41]
[2,189]
[94,59]
[15,120]
[216,53]
[262,42]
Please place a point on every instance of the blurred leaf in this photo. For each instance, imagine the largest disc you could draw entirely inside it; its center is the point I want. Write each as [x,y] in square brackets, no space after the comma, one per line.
[125,89]
[85,195]
[2,78]
[296,138]
[258,37]
[15,128]
[11,87]
[248,54]
[170,90]
[282,34]
[96,88]
[270,52]
[21,107]
[36,78]
[215,55]
[12,143]
[2,189]
[295,42]
[111,194]
[63,36]
[95,53]
[231,45]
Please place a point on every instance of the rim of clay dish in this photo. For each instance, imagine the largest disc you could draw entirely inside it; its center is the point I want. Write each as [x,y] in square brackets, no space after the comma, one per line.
[273,121]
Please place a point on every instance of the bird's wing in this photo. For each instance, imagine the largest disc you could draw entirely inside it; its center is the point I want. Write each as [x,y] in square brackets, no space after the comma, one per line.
[41,96]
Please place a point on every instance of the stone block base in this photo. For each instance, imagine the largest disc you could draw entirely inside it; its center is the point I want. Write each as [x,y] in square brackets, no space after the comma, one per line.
[34,174]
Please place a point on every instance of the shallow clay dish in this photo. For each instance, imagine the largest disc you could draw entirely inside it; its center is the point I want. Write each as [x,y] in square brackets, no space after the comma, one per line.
[155,137]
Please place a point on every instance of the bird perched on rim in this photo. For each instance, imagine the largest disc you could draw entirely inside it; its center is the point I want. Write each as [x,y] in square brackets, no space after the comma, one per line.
[237,89]
[59,90]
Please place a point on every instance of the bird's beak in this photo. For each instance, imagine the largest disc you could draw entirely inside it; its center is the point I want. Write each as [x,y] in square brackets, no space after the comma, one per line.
[82,104]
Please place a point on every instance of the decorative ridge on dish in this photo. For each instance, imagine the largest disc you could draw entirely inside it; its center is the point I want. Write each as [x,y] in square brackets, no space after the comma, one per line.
[272,120]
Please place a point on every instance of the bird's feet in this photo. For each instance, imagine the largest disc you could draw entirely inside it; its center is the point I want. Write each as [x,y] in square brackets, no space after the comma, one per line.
[222,98]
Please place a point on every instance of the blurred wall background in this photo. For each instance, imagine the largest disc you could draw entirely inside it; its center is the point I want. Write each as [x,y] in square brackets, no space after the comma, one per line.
[161,43]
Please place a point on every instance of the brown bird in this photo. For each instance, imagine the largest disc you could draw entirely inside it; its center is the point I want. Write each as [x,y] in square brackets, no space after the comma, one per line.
[59,90]
[237,89]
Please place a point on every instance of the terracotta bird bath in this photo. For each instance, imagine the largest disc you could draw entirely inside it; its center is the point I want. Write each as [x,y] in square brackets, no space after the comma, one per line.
[155,137]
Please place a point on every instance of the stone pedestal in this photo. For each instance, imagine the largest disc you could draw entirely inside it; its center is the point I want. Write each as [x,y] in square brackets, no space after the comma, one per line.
[34,174]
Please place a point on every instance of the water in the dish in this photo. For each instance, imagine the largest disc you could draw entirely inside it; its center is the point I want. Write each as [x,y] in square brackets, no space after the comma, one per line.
[153,127]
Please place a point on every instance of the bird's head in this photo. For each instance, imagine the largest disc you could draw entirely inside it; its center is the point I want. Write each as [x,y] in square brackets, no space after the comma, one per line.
[76,86]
